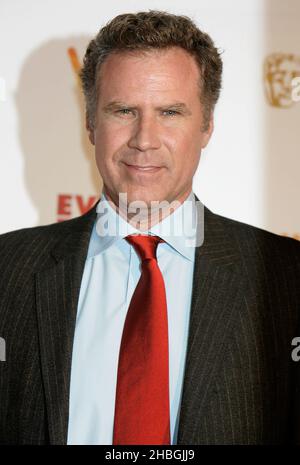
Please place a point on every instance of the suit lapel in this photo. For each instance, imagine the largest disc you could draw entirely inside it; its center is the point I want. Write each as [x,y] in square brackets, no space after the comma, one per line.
[216,297]
[57,293]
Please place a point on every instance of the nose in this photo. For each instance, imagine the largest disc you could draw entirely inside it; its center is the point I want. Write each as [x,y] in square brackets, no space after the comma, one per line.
[145,134]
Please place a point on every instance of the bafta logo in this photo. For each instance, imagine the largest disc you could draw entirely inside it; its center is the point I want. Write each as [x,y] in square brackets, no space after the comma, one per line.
[280,69]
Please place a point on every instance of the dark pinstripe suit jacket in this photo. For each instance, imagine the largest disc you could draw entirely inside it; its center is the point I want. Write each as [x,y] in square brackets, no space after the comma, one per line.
[241,385]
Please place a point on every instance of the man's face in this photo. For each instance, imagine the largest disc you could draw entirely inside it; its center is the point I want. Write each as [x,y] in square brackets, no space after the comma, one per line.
[149,115]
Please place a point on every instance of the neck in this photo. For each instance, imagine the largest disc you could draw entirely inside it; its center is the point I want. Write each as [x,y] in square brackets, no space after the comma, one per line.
[146,218]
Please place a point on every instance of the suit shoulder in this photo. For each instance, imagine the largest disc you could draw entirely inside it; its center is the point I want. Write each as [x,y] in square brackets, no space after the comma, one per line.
[36,240]
[252,239]
[25,235]
[45,231]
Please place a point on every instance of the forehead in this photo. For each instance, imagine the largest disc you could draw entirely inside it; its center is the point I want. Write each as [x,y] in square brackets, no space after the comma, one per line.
[164,70]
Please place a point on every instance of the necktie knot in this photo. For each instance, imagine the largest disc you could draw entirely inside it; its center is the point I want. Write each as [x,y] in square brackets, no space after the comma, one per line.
[145,246]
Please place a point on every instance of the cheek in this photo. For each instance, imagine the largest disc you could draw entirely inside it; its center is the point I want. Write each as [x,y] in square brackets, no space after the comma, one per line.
[109,142]
[185,149]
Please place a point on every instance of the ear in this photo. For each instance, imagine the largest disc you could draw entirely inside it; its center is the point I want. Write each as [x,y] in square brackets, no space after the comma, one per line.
[89,130]
[208,132]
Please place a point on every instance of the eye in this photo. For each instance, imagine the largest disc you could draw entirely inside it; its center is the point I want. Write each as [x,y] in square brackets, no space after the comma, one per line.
[124,111]
[171,112]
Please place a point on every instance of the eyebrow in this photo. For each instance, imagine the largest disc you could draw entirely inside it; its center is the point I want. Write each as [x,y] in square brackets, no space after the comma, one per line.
[119,104]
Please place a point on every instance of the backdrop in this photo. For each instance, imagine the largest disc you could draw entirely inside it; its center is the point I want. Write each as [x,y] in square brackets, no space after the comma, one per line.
[249,171]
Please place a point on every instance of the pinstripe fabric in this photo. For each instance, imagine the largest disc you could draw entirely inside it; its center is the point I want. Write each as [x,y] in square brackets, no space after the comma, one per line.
[240,384]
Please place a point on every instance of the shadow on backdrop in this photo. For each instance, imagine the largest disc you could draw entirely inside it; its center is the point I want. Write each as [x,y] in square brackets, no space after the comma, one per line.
[58,157]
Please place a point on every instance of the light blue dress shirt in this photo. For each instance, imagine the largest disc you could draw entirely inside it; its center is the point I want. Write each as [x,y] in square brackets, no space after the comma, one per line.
[111,273]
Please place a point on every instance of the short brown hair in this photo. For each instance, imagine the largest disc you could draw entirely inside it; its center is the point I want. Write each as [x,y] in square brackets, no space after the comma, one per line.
[149,31]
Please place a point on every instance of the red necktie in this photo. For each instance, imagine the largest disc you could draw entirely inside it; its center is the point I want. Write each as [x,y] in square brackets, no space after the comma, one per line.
[142,395]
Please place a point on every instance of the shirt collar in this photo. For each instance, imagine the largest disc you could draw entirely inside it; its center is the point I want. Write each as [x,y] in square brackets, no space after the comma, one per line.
[177,229]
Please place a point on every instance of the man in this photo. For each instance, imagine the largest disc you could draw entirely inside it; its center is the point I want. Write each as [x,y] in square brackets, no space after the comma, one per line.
[128,335]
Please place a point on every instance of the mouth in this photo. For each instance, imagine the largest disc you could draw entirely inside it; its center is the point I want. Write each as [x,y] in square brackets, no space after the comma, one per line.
[143,169]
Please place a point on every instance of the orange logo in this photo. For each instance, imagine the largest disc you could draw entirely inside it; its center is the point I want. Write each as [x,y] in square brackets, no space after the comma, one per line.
[74,62]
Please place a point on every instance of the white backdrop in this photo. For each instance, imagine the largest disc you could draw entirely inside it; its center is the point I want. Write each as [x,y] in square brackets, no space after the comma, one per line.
[249,171]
